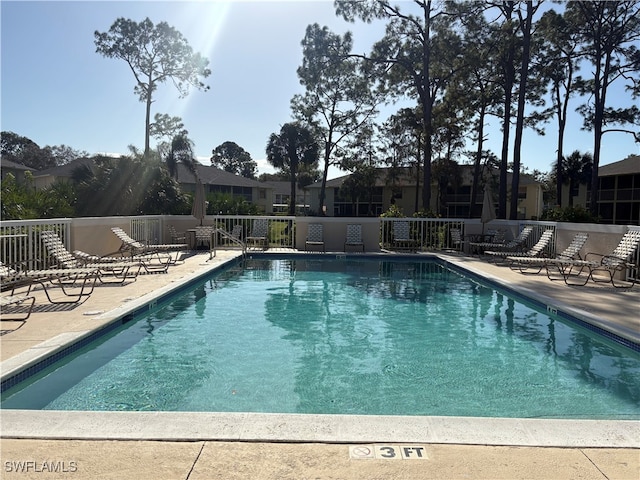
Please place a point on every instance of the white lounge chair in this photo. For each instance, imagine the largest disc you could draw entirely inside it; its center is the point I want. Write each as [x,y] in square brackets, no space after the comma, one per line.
[607,266]
[536,250]
[534,265]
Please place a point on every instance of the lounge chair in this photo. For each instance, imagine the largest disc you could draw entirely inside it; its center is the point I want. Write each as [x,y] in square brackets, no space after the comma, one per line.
[514,245]
[134,248]
[402,237]
[259,232]
[354,236]
[16,302]
[12,279]
[609,265]
[527,265]
[177,237]
[119,269]
[536,250]
[315,236]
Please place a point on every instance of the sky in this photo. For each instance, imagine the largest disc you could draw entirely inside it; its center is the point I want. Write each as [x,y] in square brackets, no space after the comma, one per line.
[56,90]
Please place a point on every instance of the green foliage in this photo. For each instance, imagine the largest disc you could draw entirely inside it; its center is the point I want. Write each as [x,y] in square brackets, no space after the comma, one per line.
[25,151]
[21,201]
[155,54]
[227,204]
[393,212]
[294,147]
[232,158]
[15,199]
[569,214]
[422,213]
[129,186]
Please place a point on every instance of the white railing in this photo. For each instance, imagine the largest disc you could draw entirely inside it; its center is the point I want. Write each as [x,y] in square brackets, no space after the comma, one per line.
[147,229]
[281,229]
[20,241]
[424,233]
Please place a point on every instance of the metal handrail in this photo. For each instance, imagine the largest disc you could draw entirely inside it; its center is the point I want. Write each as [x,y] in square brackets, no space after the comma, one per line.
[228,236]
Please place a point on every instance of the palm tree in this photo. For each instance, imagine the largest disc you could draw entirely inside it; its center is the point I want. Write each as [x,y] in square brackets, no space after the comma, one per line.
[181,151]
[577,169]
[292,147]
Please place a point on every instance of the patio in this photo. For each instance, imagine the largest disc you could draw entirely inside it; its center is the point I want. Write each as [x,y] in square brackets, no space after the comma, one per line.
[289,447]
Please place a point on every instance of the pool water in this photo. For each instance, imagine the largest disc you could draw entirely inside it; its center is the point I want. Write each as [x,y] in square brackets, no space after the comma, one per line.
[346,337]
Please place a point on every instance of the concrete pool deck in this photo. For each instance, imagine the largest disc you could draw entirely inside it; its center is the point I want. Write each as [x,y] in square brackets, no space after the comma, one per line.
[203,445]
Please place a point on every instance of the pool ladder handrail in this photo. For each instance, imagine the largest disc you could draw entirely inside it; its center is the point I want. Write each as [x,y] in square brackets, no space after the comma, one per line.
[228,236]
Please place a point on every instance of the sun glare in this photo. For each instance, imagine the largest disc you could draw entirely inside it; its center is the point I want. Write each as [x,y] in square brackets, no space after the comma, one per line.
[201,23]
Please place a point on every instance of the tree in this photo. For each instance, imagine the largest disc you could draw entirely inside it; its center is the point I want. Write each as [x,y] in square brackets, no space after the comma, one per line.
[559,58]
[402,144]
[339,97]
[231,157]
[578,169]
[405,56]
[609,32]
[134,185]
[478,81]
[181,151]
[155,54]
[292,147]
[526,23]
[166,127]
[25,151]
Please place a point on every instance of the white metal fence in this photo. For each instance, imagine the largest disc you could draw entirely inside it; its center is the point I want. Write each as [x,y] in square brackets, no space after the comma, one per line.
[20,239]
[423,233]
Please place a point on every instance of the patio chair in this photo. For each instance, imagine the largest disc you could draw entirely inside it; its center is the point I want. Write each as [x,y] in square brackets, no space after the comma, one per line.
[259,232]
[112,267]
[514,245]
[608,266]
[354,236]
[235,237]
[12,279]
[177,237]
[527,265]
[457,241]
[402,237]
[203,235]
[315,236]
[134,248]
[536,250]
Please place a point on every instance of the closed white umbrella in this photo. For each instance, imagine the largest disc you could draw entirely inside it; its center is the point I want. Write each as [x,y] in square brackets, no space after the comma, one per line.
[199,207]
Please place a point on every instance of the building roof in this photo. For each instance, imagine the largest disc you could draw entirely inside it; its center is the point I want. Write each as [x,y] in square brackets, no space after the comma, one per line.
[67,169]
[406,178]
[15,166]
[210,175]
[628,166]
[282,187]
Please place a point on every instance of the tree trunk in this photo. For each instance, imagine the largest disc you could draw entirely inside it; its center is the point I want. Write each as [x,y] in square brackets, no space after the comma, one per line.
[509,79]
[478,161]
[325,174]
[427,109]
[147,126]
[600,95]
[517,144]
[560,157]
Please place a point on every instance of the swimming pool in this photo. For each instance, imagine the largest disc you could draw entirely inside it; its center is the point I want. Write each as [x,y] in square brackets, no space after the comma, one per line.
[346,336]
